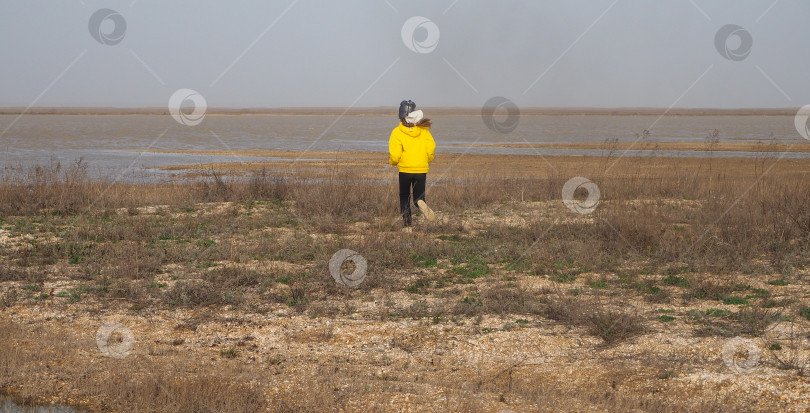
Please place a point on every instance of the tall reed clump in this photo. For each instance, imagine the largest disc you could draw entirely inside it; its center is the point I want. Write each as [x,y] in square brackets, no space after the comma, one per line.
[46,187]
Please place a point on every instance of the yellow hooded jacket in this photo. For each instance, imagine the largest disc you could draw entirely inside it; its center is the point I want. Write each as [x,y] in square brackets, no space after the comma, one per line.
[411,149]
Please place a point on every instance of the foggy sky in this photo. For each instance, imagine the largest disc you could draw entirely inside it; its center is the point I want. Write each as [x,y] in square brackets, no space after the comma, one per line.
[341,53]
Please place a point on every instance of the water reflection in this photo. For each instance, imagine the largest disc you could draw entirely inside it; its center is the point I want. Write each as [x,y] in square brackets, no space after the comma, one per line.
[9,406]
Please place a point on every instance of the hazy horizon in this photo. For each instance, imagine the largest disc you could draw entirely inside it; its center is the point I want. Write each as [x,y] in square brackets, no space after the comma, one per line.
[453,53]
[213,109]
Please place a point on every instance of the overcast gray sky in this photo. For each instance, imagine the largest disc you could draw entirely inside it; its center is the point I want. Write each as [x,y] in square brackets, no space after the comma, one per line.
[276,53]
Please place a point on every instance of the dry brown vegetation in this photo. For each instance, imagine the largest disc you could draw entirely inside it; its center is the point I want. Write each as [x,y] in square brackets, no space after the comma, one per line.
[689,250]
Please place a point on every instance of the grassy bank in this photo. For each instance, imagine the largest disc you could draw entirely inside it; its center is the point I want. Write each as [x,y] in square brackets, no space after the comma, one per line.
[701,250]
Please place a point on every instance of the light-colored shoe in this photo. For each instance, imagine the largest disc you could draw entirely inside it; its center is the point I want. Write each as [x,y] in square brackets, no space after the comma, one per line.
[407,230]
[426,210]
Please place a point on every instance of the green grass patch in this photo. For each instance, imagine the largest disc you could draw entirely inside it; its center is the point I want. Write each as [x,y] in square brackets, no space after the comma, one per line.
[666,318]
[598,285]
[740,287]
[475,268]
[469,300]
[292,302]
[423,261]
[731,299]
[645,287]
[418,286]
[675,280]
[565,278]
[72,295]
[758,293]
[717,312]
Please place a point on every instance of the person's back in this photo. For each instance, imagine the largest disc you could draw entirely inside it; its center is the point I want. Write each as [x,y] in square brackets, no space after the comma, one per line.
[411,149]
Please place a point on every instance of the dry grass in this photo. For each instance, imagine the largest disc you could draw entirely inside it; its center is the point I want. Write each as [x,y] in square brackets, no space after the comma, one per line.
[696,235]
[164,384]
[114,385]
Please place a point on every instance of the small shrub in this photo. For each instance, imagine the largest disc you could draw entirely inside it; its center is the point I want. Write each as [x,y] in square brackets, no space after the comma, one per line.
[740,287]
[805,312]
[657,295]
[506,299]
[233,276]
[771,303]
[668,374]
[192,294]
[708,331]
[754,321]
[710,291]
[469,306]
[613,325]
[230,353]
[417,310]
[717,312]
[564,278]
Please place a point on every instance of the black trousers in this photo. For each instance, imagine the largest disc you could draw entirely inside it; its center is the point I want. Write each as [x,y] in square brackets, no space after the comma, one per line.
[408,182]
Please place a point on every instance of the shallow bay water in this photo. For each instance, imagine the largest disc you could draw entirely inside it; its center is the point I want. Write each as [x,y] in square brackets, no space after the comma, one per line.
[121,145]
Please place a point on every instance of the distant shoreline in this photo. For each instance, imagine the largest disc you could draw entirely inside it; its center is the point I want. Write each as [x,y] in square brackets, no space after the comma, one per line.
[380,111]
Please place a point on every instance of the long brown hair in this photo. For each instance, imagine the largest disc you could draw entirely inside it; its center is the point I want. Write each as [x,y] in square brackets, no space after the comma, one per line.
[424,123]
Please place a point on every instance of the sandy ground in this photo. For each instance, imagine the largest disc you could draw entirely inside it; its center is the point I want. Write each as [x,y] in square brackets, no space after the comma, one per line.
[514,362]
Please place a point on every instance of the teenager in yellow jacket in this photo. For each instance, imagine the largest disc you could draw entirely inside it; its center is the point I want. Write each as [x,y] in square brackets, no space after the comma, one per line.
[411,149]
